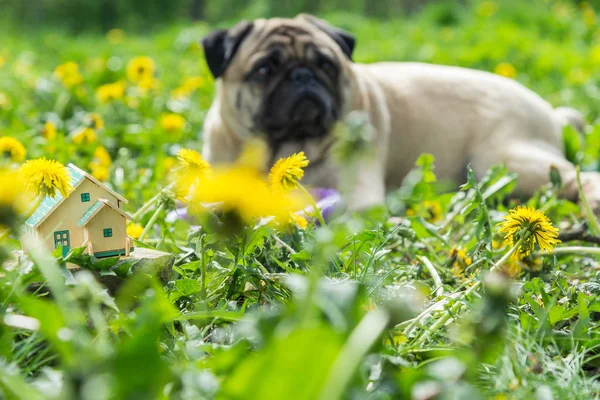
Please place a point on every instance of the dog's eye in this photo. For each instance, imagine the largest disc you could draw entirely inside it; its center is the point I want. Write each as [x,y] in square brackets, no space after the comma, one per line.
[263,71]
[328,67]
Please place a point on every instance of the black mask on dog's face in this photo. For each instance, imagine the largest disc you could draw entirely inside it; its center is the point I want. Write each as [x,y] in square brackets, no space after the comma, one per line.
[302,97]
[294,71]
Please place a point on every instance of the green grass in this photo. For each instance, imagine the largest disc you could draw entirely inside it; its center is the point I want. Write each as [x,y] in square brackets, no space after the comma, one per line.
[327,312]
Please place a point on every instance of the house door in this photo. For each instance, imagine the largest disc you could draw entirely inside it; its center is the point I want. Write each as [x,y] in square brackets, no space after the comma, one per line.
[61,239]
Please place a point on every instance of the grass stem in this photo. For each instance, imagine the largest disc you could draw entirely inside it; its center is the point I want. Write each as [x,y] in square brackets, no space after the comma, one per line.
[316,209]
[150,203]
[151,222]
[458,305]
[439,286]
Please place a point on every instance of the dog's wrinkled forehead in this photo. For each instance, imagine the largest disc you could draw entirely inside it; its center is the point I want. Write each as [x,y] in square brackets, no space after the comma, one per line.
[290,40]
[297,38]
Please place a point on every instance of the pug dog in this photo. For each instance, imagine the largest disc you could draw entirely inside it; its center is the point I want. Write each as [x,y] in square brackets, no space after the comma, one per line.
[289,81]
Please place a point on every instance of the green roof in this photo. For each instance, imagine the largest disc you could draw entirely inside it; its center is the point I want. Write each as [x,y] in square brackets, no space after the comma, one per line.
[90,213]
[50,203]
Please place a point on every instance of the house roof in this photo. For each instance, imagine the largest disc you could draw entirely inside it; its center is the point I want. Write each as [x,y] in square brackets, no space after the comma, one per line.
[95,209]
[49,204]
[97,182]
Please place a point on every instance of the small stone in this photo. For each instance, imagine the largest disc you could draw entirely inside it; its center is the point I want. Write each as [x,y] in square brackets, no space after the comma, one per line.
[149,261]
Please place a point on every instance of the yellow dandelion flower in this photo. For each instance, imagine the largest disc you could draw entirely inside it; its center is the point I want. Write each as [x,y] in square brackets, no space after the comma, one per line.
[192,167]
[100,164]
[68,73]
[191,160]
[534,265]
[135,230]
[172,122]
[518,262]
[254,155]
[179,93]
[84,135]
[193,83]
[11,149]
[457,270]
[432,210]
[95,121]
[188,87]
[49,131]
[514,266]
[140,68]
[457,252]
[530,226]
[2,61]
[462,259]
[102,157]
[147,83]
[169,163]
[299,221]
[99,172]
[242,191]
[110,91]
[45,177]
[184,184]
[506,70]
[115,36]
[286,172]
[11,197]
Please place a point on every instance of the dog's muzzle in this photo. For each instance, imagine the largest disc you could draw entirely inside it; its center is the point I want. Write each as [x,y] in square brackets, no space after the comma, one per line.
[300,108]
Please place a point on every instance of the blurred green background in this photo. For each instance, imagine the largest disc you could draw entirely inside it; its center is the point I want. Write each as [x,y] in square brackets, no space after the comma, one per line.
[80,15]
[180,335]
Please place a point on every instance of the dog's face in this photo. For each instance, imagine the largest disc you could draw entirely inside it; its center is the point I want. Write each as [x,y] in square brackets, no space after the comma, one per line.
[283,78]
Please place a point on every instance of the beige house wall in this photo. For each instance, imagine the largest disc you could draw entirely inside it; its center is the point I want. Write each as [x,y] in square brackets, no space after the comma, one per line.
[107,218]
[66,215]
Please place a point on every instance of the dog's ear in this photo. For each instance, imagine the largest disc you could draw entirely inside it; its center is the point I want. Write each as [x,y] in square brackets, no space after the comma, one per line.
[221,45]
[344,39]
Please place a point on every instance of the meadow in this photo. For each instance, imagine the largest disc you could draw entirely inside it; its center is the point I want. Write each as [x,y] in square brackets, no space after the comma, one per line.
[423,298]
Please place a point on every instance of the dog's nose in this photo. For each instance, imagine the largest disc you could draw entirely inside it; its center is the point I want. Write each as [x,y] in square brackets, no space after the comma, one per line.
[301,75]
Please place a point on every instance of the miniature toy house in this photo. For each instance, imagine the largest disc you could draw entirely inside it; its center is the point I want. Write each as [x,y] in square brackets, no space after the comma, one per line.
[91,216]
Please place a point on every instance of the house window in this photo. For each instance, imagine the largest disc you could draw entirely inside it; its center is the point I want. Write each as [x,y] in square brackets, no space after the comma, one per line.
[85,197]
[108,232]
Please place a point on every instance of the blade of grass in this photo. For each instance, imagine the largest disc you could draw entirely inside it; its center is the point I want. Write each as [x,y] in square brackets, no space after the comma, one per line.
[355,349]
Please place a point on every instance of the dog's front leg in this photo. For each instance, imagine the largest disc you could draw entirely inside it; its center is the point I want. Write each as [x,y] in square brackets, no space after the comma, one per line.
[366,185]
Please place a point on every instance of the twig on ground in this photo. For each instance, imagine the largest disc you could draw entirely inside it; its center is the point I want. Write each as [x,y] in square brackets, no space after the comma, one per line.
[575,250]
[580,233]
